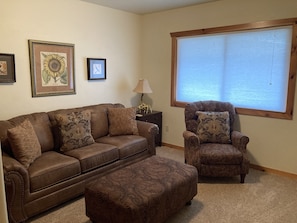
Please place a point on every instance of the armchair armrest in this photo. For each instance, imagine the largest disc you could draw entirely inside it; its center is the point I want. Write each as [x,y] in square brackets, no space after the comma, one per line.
[191,140]
[191,150]
[17,187]
[239,140]
[149,131]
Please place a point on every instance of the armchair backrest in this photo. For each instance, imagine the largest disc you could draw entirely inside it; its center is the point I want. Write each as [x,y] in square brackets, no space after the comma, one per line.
[213,106]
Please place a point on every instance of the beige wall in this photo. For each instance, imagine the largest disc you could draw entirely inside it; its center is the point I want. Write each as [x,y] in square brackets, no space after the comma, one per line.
[96,32]
[273,142]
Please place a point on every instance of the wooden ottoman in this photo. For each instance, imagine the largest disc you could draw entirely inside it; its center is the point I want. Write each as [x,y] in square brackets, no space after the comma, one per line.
[148,191]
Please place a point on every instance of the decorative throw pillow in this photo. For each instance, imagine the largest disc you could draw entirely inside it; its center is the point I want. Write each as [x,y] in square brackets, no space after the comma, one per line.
[213,127]
[122,121]
[75,130]
[24,143]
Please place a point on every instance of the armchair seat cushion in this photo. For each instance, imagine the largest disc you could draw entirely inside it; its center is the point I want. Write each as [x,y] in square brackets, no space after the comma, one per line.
[220,154]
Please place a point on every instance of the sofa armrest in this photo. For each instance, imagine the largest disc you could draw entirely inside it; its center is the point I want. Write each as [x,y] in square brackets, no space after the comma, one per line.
[17,187]
[149,131]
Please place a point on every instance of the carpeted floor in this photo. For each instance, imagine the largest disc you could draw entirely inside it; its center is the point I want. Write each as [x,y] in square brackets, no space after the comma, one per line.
[263,198]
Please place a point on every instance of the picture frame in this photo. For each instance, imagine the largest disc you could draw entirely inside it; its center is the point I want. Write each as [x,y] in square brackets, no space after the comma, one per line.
[52,68]
[96,68]
[7,68]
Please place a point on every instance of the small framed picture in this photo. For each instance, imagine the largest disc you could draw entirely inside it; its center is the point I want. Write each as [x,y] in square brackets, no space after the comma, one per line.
[96,68]
[7,68]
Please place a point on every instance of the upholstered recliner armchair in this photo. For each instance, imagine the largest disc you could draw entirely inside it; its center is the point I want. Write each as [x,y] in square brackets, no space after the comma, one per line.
[211,144]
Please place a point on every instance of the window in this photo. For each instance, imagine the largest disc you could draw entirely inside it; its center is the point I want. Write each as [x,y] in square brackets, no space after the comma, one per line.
[253,66]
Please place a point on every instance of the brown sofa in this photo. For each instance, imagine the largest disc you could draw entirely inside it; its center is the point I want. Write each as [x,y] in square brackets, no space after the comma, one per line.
[56,176]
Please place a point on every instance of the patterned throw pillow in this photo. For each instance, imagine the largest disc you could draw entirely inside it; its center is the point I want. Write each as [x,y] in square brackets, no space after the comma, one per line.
[122,121]
[213,127]
[75,130]
[24,143]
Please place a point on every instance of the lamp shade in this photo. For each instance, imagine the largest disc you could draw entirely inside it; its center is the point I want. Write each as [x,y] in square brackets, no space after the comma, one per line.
[143,86]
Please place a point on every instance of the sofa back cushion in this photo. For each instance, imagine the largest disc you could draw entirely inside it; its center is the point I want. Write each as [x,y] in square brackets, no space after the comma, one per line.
[122,121]
[75,129]
[24,143]
[56,127]
[42,127]
[4,126]
[99,120]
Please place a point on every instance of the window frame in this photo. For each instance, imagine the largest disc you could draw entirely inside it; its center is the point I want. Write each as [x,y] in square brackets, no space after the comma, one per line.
[288,114]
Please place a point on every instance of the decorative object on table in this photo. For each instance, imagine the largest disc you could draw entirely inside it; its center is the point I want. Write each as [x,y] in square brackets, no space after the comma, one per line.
[7,68]
[143,87]
[52,68]
[96,69]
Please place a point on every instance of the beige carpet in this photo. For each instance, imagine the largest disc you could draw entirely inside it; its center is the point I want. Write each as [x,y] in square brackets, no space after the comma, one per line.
[263,198]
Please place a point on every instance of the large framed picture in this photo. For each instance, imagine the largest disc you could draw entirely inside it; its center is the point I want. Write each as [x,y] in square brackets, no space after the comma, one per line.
[96,68]
[7,68]
[52,68]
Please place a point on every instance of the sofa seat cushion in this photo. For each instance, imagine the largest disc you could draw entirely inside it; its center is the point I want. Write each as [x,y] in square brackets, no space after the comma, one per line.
[94,155]
[213,153]
[51,168]
[128,145]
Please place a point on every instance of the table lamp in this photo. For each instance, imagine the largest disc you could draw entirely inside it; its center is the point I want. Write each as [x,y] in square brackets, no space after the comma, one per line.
[143,87]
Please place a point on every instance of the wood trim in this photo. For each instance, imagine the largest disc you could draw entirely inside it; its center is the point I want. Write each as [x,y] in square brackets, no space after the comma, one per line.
[270,114]
[292,72]
[253,166]
[172,146]
[274,171]
[288,114]
[173,71]
[232,28]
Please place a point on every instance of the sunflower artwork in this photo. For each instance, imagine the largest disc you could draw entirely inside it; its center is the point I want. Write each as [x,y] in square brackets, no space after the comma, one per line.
[54,69]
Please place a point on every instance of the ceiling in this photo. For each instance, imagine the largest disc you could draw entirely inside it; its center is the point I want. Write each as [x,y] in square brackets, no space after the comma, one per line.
[147,6]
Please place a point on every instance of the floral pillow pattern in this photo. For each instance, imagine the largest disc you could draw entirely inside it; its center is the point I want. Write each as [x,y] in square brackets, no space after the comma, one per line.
[75,129]
[213,127]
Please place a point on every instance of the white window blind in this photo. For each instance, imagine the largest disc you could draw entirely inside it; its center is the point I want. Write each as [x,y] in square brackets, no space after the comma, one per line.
[248,68]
